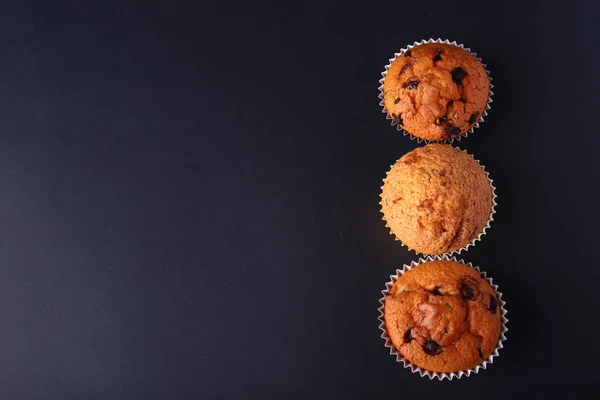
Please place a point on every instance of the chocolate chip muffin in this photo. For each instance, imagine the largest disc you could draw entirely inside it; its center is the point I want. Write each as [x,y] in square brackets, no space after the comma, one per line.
[443,316]
[437,199]
[436,91]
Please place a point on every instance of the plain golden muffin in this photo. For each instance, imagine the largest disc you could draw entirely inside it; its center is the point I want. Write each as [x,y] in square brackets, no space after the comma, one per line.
[436,199]
[443,316]
[436,91]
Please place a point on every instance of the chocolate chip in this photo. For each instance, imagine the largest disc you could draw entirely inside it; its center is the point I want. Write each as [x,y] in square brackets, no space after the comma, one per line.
[440,121]
[412,84]
[480,354]
[408,53]
[438,57]
[408,336]
[458,74]
[493,305]
[432,348]
[452,131]
[397,100]
[473,118]
[397,119]
[404,67]
[436,291]
[467,291]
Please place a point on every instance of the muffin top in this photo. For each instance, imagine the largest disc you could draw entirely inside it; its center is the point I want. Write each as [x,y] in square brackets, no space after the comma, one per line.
[443,316]
[436,91]
[436,199]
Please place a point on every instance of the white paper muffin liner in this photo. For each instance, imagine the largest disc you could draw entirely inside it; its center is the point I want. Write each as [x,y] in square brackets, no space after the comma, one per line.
[422,371]
[477,238]
[406,133]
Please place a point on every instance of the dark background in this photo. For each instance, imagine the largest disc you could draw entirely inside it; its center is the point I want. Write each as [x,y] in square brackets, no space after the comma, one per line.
[189,197]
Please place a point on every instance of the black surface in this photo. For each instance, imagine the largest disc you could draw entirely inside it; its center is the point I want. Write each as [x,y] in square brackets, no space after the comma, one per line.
[189,197]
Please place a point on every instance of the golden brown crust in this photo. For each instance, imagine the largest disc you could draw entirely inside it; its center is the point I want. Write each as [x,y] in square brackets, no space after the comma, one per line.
[443,316]
[436,199]
[436,91]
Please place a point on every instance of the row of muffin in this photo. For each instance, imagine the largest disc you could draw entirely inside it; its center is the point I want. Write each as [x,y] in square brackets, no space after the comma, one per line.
[440,316]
